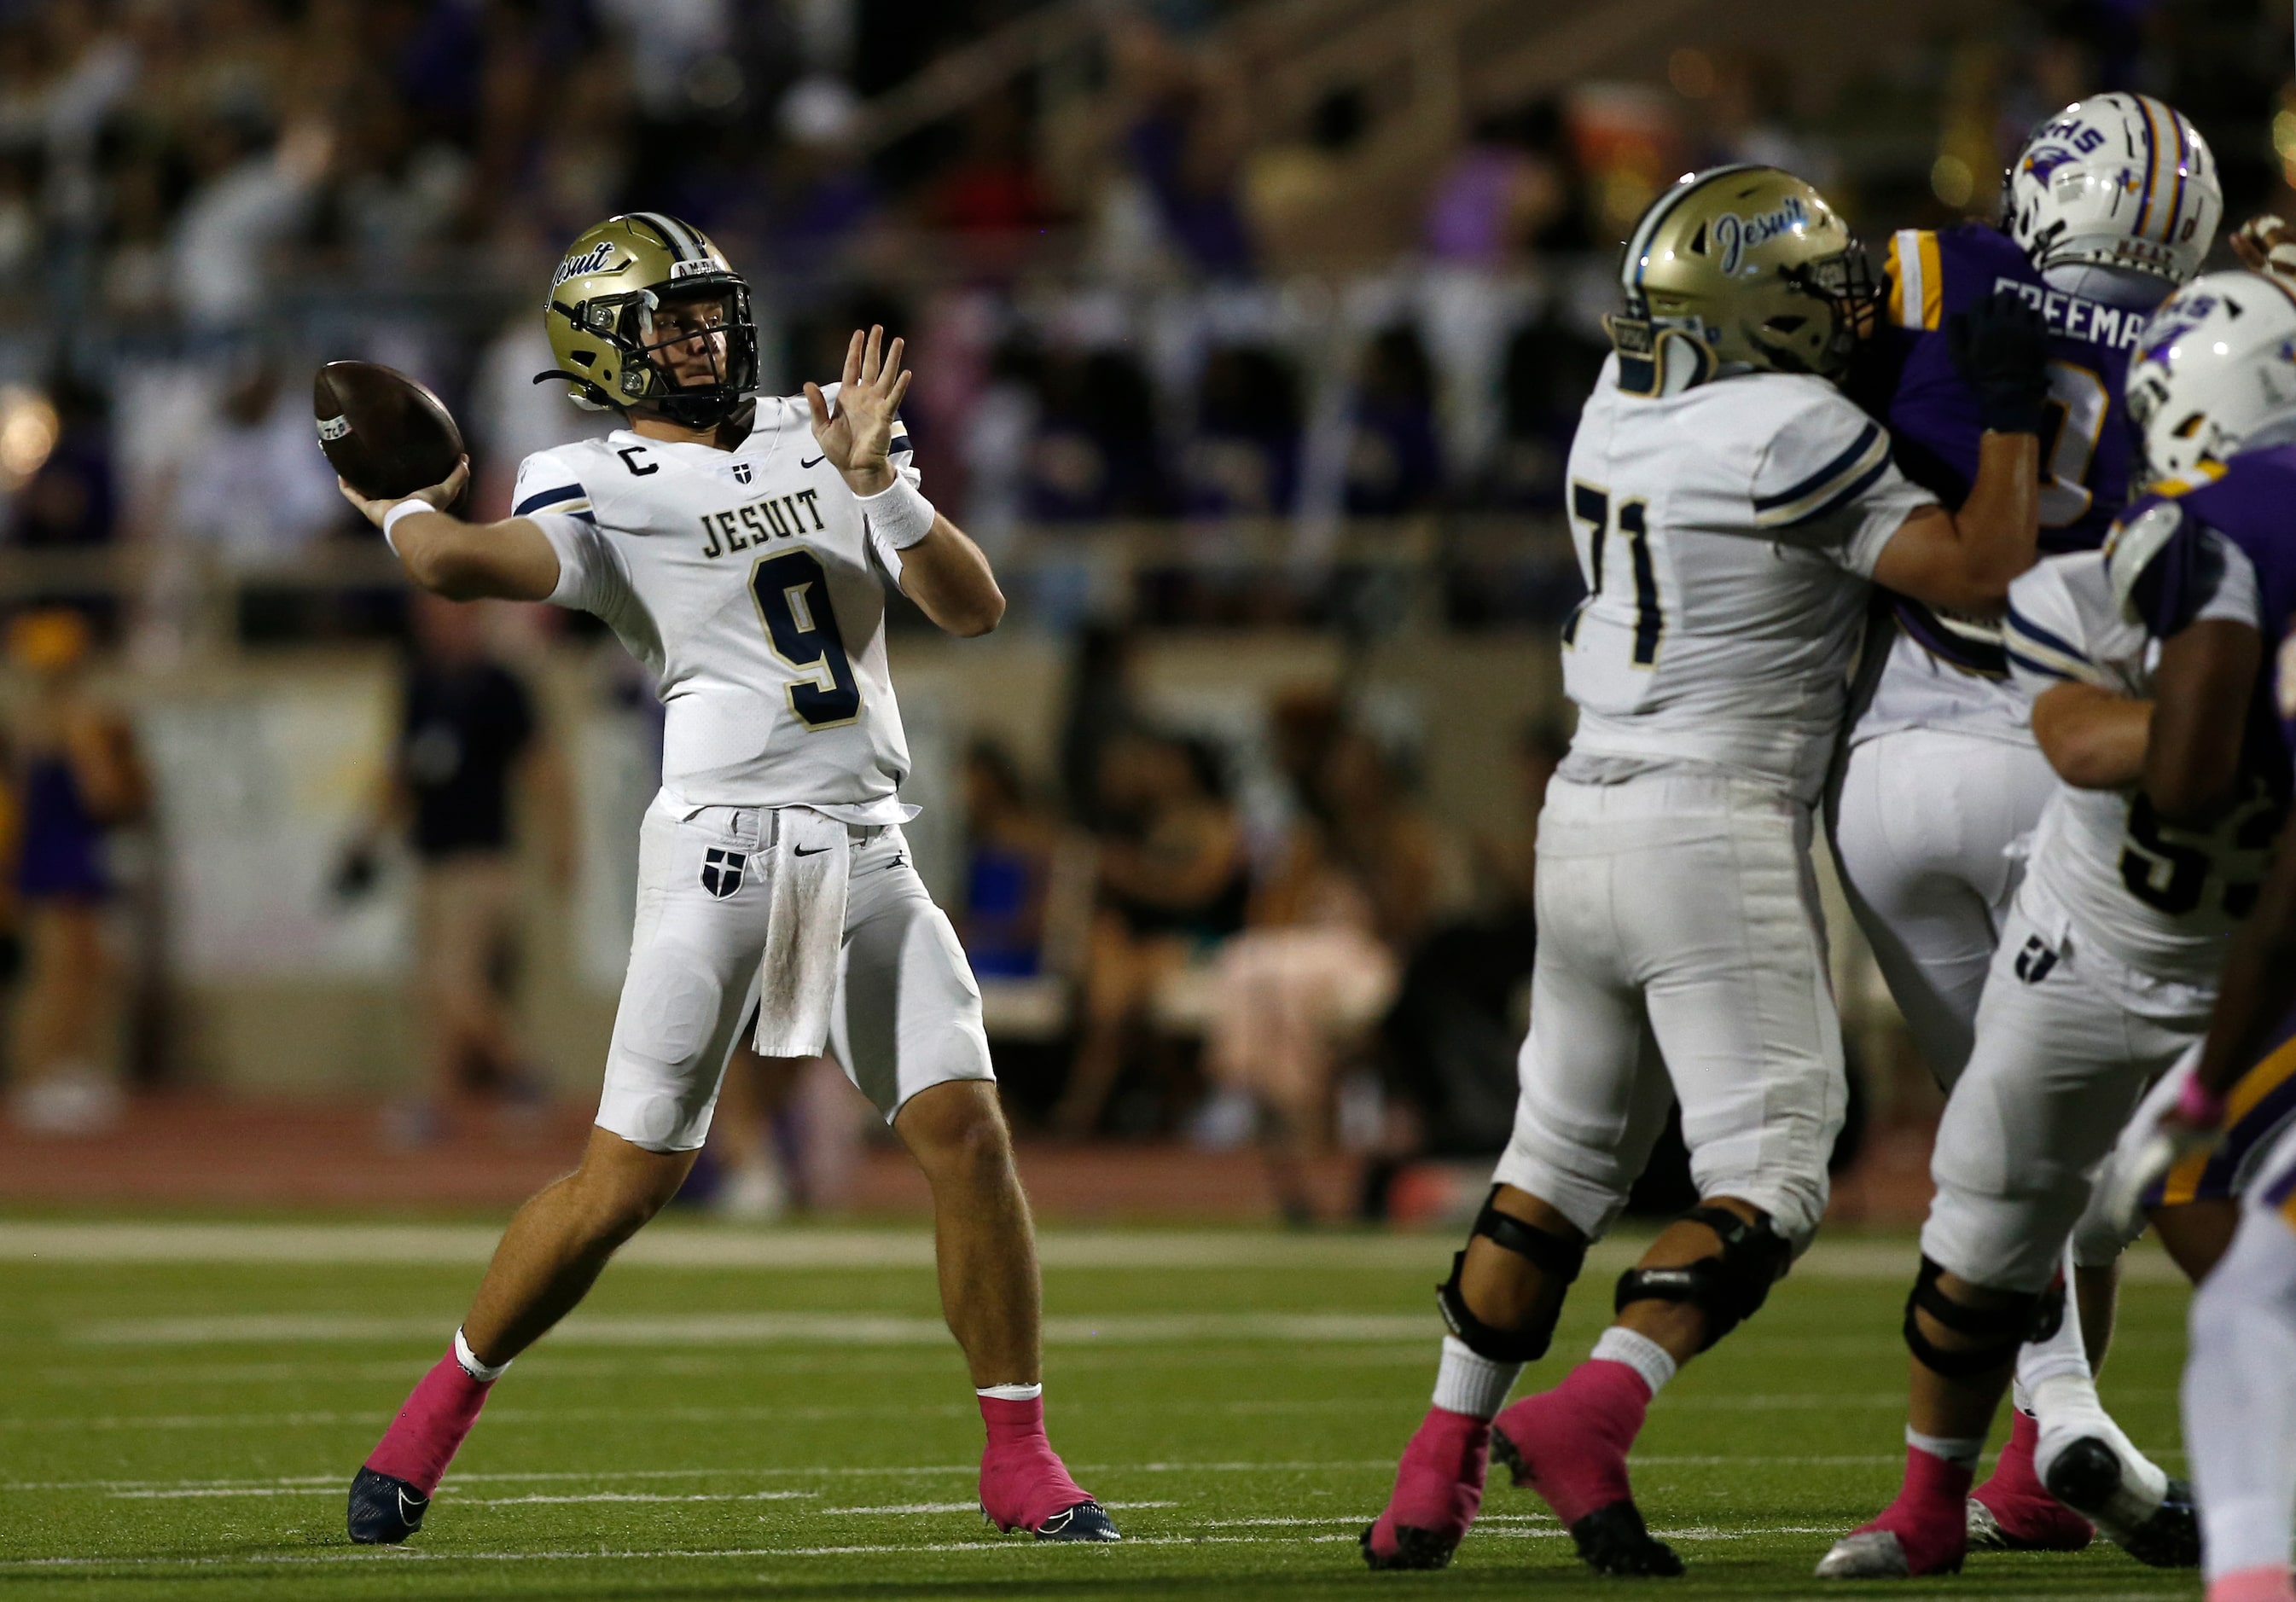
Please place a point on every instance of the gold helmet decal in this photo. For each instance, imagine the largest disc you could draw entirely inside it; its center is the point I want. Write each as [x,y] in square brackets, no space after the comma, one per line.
[1739,266]
[608,332]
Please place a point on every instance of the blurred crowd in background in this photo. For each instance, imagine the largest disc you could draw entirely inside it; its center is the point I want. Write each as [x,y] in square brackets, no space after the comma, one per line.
[1215,262]
[1225,314]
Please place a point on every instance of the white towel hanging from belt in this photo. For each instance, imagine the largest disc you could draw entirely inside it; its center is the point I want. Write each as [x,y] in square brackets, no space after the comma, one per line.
[805,930]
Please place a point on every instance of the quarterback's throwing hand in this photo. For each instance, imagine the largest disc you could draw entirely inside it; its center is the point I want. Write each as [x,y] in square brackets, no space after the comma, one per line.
[440,495]
[858,437]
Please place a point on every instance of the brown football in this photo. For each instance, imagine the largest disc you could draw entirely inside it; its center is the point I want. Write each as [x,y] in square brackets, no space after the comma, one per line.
[386,435]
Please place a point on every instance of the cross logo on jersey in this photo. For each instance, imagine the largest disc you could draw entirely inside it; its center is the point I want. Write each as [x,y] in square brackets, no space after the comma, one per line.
[721,871]
[741,472]
[2034,961]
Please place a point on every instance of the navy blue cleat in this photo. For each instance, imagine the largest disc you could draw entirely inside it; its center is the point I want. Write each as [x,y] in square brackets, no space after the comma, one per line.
[1086,1521]
[385,1511]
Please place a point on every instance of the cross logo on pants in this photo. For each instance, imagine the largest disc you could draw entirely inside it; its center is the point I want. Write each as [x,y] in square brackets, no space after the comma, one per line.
[721,871]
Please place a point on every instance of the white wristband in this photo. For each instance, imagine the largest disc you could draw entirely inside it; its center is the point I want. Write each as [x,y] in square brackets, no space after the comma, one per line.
[899,514]
[405,508]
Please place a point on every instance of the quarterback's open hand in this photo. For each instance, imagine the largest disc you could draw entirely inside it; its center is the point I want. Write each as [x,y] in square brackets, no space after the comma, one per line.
[440,495]
[857,438]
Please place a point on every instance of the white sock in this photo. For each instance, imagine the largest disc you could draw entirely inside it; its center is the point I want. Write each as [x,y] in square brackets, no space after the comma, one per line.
[1010,1392]
[1639,1353]
[484,1373]
[2062,1353]
[1472,1384]
[1961,1451]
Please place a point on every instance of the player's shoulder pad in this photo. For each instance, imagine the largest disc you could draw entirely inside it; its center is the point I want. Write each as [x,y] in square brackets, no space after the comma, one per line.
[2137,541]
[555,480]
[1823,452]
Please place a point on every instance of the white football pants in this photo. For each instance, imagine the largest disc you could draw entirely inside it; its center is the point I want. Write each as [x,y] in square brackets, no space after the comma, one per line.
[907,1017]
[2061,1062]
[1681,956]
[1924,824]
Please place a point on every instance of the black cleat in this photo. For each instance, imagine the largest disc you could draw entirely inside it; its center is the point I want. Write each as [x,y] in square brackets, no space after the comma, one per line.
[1086,1521]
[385,1511]
[1414,1548]
[2086,1478]
[1614,1541]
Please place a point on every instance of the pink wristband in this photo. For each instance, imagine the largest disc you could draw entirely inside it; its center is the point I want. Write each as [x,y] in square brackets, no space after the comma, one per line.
[2200,1105]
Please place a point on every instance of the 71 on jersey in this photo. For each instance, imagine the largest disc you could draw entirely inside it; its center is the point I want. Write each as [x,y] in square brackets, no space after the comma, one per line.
[1592,506]
[791,591]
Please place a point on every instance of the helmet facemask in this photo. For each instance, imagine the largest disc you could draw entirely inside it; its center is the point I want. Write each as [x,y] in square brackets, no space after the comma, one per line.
[1844,283]
[706,321]
[708,311]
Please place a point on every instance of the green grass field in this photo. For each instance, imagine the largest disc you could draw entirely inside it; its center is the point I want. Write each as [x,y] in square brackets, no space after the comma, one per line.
[181,1408]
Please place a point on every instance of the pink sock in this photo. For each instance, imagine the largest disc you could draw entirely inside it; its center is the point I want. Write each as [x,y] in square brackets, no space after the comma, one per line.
[1023,1482]
[1930,1518]
[2268,1583]
[1576,1437]
[429,1430]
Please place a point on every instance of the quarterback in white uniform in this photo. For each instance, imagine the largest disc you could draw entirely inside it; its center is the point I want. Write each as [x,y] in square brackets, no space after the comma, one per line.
[1732,508]
[740,548]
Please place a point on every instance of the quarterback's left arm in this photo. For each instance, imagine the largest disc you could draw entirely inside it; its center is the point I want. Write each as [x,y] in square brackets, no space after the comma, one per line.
[948,577]
[938,567]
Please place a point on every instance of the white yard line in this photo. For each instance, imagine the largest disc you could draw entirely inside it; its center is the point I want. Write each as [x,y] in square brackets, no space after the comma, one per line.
[760,1328]
[690,1246]
[901,1548]
[636,1496]
[1756,1402]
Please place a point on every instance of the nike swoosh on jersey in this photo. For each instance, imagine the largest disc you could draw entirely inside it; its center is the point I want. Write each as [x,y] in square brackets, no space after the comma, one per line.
[801,851]
[817,461]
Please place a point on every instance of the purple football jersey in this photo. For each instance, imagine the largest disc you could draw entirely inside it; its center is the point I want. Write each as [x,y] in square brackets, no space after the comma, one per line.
[1906,379]
[2252,504]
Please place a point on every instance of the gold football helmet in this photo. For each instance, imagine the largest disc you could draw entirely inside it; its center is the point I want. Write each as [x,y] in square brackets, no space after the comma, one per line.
[627,292]
[1739,265]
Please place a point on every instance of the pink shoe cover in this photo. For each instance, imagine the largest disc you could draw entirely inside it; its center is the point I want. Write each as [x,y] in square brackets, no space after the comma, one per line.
[430,1427]
[1439,1489]
[1023,1482]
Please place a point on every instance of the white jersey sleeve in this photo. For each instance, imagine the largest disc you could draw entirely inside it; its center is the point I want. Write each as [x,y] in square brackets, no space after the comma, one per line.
[2046,631]
[549,493]
[1826,481]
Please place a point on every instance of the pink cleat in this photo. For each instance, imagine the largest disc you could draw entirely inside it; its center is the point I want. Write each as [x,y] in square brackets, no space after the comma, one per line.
[1570,1445]
[1024,1485]
[2013,1512]
[1925,1532]
[1439,1489]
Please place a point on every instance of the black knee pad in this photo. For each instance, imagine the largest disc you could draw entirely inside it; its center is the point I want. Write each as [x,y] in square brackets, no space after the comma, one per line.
[1999,1331]
[1730,1288]
[1552,1254]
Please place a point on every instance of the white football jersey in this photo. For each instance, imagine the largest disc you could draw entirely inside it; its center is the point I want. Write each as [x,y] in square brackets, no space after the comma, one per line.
[747,581]
[2158,900]
[1726,535]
